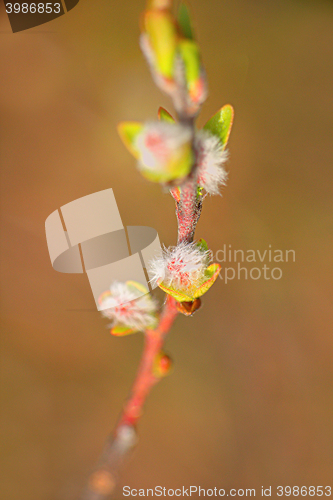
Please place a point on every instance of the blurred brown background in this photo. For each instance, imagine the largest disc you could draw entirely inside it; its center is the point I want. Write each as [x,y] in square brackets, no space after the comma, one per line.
[250,401]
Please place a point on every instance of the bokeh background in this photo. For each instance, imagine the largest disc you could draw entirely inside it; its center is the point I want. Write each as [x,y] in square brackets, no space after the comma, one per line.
[250,401]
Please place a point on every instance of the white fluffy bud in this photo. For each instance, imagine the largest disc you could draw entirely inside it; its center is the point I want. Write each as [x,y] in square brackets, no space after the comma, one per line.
[180,267]
[126,306]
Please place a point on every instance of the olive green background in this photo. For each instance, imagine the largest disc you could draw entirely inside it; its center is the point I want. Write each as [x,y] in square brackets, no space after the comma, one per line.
[250,400]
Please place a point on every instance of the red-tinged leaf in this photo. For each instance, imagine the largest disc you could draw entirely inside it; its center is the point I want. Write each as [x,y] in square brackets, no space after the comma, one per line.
[175,193]
[121,331]
[179,296]
[165,116]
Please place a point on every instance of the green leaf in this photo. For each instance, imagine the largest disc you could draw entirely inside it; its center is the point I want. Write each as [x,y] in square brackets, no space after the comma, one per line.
[184,21]
[128,132]
[161,29]
[179,296]
[165,116]
[202,244]
[121,331]
[190,54]
[212,273]
[220,124]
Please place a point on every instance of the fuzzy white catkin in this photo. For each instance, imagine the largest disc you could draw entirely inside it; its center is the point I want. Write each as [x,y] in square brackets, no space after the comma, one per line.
[212,157]
[181,266]
[127,307]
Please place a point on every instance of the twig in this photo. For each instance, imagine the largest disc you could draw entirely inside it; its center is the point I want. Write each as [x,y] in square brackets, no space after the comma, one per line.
[119,445]
[188,198]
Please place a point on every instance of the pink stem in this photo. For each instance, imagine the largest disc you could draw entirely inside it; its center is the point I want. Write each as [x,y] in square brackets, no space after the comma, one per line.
[103,480]
[146,378]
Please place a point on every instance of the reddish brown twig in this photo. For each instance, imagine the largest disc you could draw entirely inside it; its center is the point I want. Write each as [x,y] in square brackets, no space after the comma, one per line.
[103,480]
[188,200]
[146,377]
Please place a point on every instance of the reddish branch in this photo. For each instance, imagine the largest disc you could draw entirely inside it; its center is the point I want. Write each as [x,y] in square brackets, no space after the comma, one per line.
[146,377]
[103,480]
[188,200]
[188,210]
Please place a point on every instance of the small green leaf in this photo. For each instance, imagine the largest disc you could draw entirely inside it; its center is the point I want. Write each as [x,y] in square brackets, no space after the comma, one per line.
[184,21]
[199,191]
[212,273]
[202,244]
[121,331]
[128,132]
[181,297]
[220,124]
[189,51]
[165,116]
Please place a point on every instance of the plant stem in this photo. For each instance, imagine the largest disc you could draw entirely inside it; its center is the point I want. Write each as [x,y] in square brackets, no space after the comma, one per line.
[188,211]
[188,199]
[146,378]
[103,480]
[119,445]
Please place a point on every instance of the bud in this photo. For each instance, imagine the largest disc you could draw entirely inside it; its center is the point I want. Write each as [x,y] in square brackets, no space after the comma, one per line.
[188,308]
[194,74]
[195,78]
[128,310]
[159,4]
[161,35]
[210,144]
[173,55]
[164,149]
[162,365]
[184,271]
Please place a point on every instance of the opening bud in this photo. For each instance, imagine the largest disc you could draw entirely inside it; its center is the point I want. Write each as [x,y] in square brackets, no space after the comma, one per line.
[188,308]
